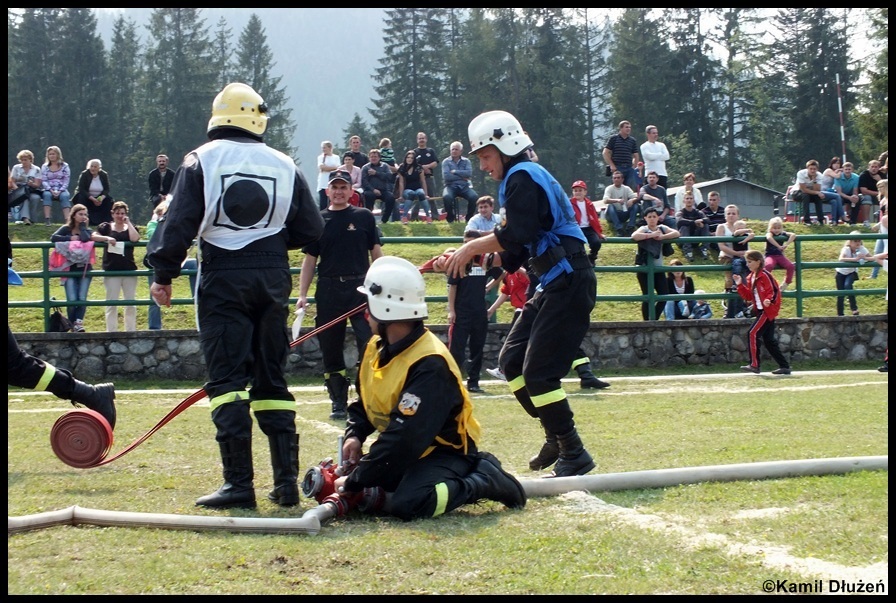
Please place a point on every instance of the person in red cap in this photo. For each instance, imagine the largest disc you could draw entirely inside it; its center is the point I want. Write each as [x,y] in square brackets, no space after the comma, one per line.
[587,218]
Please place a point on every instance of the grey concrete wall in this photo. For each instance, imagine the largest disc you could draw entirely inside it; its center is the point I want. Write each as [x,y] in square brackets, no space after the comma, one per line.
[175,355]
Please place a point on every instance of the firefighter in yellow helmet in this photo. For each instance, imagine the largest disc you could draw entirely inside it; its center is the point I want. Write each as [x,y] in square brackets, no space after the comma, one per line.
[248,205]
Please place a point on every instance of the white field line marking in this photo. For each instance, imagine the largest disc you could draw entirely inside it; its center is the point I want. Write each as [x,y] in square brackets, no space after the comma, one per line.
[772,556]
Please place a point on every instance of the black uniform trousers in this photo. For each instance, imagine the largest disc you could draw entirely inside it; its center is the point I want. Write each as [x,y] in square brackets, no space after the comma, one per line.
[544,340]
[336,296]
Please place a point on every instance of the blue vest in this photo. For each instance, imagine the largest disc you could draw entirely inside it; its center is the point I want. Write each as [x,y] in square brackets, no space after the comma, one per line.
[561,209]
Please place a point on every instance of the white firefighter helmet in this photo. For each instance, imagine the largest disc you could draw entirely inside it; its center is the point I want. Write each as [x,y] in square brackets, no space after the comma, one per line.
[501,129]
[239,106]
[395,290]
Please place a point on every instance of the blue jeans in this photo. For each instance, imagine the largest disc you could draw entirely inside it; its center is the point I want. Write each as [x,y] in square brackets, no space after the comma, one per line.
[844,283]
[414,201]
[630,177]
[836,201]
[616,216]
[878,248]
[76,289]
[65,199]
[674,310]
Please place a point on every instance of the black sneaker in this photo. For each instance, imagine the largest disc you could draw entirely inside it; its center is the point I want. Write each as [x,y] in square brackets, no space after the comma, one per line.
[781,371]
[750,369]
[474,388]
[884,368]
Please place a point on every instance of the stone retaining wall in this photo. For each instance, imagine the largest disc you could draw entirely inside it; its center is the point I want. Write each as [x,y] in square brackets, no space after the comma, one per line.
[176,355]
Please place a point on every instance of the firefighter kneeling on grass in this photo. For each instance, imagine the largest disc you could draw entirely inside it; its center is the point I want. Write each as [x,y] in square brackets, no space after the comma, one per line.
[411,391]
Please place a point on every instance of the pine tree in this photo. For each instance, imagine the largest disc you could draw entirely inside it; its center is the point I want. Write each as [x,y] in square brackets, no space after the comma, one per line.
[254,62]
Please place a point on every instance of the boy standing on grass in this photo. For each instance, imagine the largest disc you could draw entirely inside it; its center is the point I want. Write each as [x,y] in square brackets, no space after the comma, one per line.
[761,289]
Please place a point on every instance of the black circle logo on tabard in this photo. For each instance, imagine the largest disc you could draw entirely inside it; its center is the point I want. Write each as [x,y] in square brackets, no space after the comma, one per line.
[246,203]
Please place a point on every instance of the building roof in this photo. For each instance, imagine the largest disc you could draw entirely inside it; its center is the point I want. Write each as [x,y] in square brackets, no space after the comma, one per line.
[713,183]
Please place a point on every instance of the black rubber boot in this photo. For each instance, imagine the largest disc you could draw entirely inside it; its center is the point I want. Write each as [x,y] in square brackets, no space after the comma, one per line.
[100,398]
[337,386]
[587,380]
[489,480]
[548,455]
[574,459]
[238,490]
[285,461]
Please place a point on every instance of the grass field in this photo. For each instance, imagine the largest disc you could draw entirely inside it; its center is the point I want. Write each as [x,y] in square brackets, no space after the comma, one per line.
[708,538]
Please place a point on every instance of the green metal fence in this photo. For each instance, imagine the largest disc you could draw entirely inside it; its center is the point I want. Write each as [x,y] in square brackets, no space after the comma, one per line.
[797,293]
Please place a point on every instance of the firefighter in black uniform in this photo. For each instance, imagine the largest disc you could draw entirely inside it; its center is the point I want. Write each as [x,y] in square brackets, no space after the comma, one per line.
[350,242]
[411,391]
[248,205]
[30,372]
[468,318]
[539,222]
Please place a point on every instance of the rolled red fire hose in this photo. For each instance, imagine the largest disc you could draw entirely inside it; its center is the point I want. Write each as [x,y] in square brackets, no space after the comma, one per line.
[82,438]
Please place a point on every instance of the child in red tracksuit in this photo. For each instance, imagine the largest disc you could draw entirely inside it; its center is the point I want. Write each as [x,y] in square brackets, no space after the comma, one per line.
[762,291]
[587,218]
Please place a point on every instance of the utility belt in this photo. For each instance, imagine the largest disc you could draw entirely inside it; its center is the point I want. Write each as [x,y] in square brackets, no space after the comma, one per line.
[571,249]
[345,278]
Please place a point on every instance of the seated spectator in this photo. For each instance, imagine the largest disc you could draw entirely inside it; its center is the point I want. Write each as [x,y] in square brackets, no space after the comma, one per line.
[652,194]
[93,193]
[690,179]
[732,253]
[55,175]
[622,206]
[486,220]
[457,174]
[828,179]
[348,165]
[26,176]
[678,282]
[868,190]
[715,214]
[808,181]
[701,308]
[776,240]
[692,223]
[410,186]
[847,188]
[378,183]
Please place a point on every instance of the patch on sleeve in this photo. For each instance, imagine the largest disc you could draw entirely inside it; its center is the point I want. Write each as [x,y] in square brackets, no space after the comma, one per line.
[409,404]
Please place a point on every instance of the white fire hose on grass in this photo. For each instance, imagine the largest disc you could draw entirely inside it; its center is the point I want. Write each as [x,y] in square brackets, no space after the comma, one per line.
[311,520]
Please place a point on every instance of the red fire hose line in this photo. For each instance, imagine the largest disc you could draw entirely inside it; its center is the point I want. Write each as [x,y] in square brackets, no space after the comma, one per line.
[82,438]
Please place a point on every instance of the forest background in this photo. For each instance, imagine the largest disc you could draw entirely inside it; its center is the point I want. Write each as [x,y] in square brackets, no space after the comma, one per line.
[739,92]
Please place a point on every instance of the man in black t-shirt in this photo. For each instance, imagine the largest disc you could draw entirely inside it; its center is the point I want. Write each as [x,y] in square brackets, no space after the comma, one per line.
[349,244]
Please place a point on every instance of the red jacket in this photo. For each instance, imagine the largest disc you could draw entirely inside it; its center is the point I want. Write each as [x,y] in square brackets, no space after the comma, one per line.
[593,218]
[765,284]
